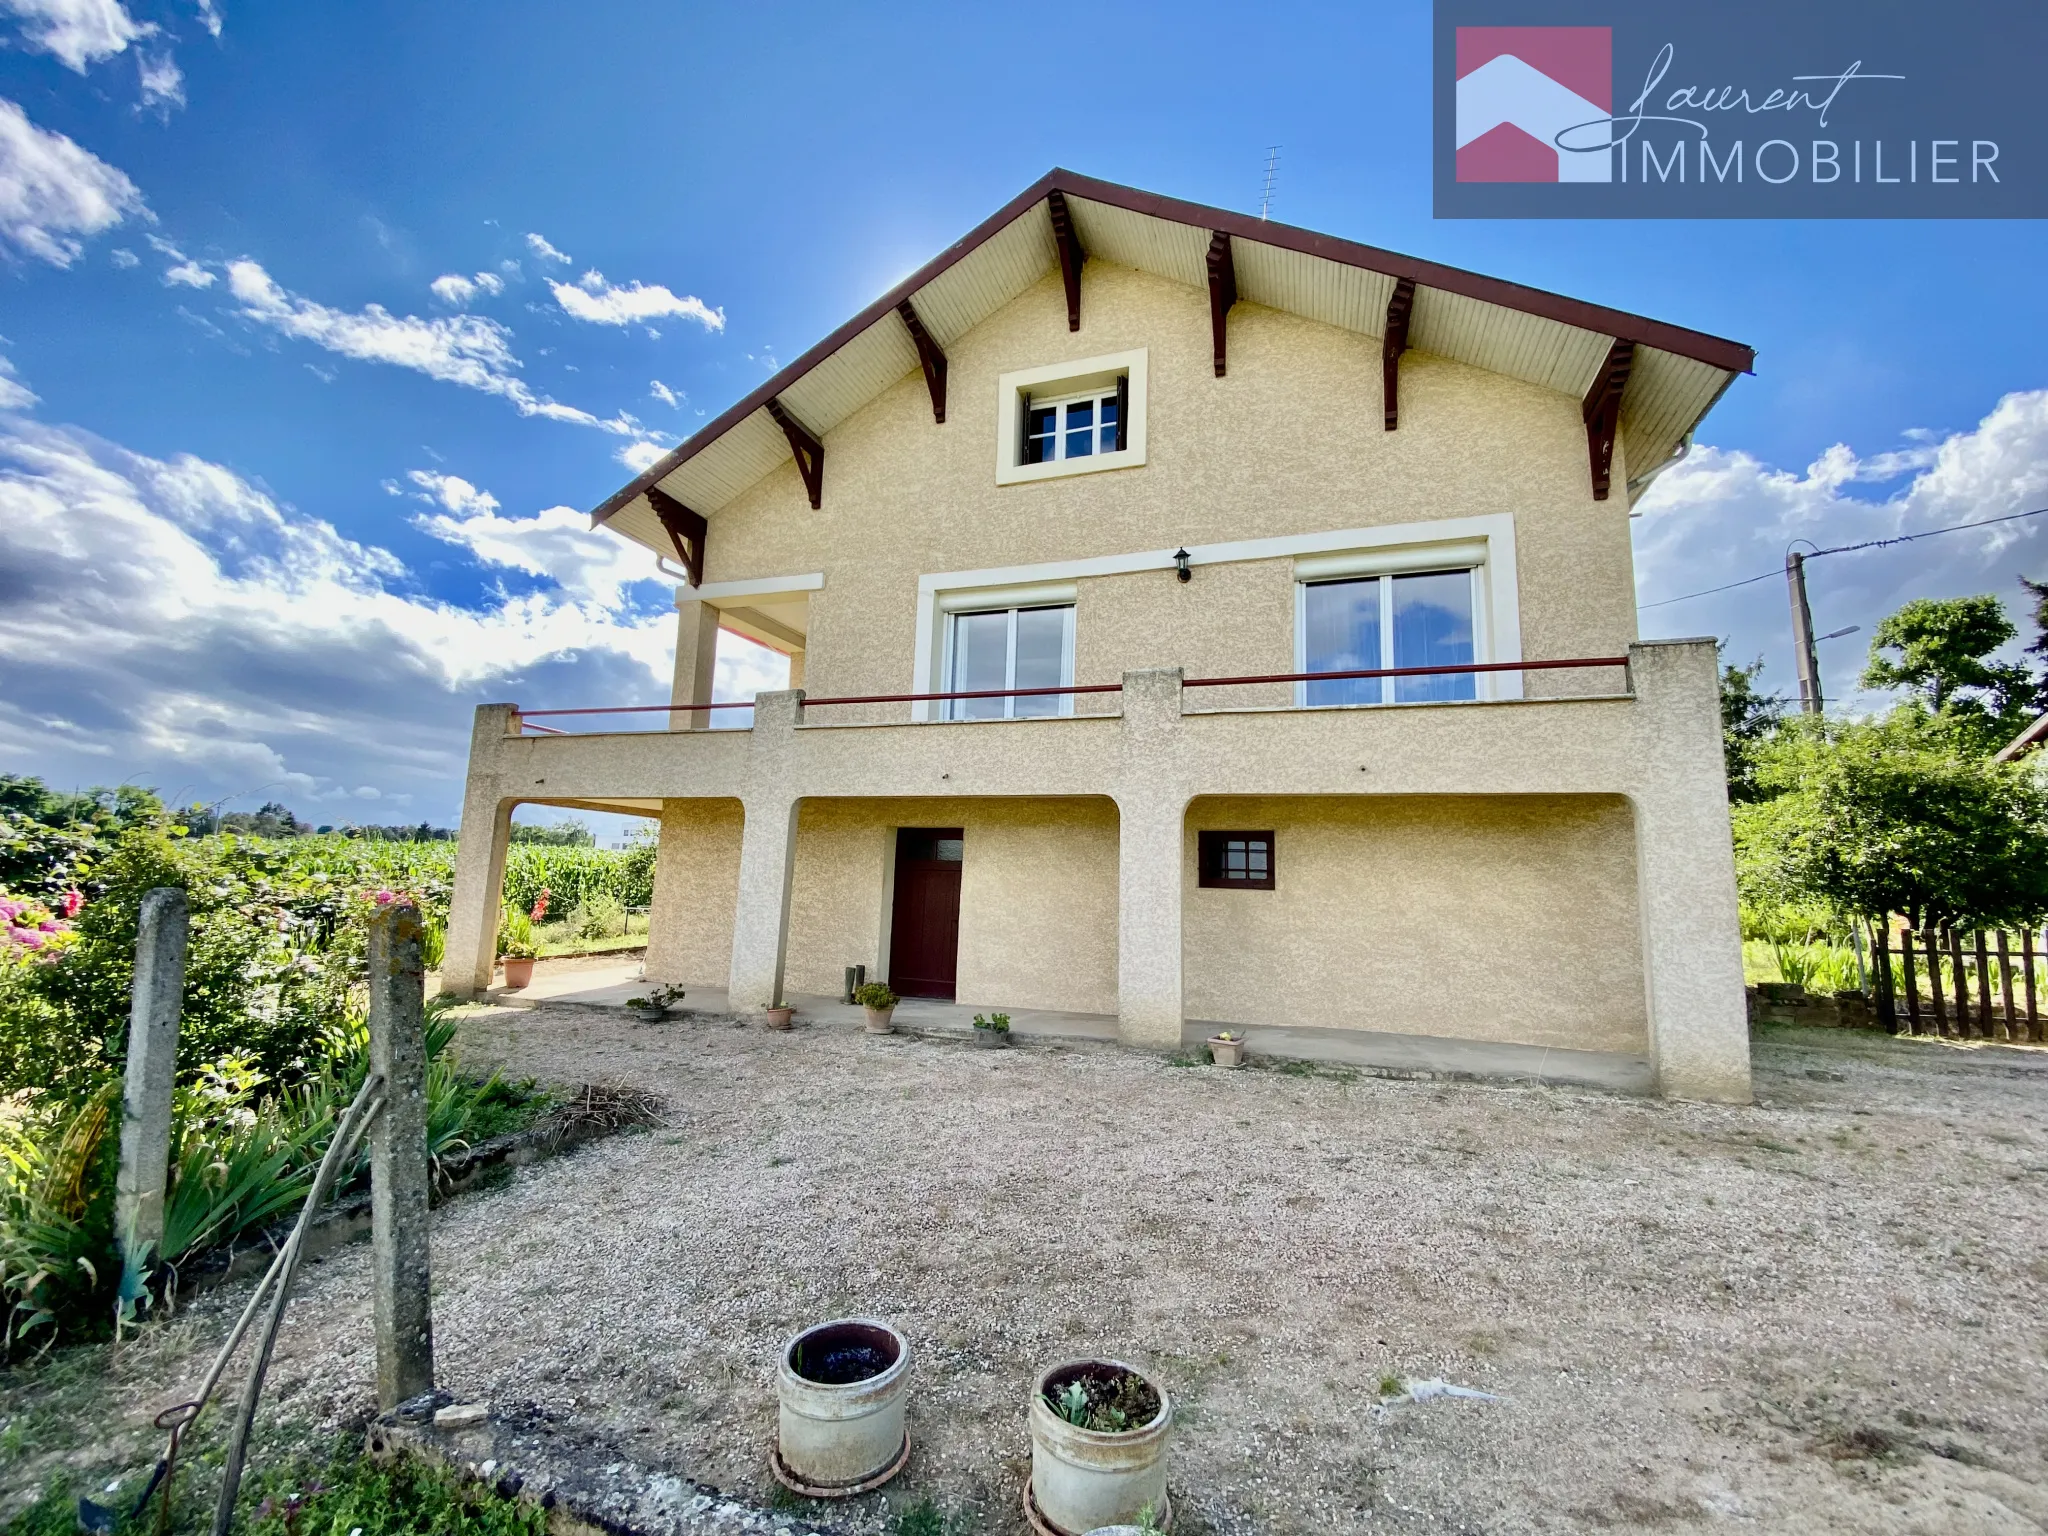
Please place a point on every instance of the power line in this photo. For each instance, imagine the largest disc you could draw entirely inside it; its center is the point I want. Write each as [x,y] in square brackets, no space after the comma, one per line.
[1843,549]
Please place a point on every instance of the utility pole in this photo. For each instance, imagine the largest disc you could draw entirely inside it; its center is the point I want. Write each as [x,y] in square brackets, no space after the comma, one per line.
[1803,654]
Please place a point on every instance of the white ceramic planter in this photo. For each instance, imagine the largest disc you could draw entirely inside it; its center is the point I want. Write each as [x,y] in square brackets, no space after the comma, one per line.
[1084,1479]
[841,1436]
[880,1021]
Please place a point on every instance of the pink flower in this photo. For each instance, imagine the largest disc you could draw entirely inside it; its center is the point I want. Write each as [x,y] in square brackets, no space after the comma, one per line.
[385,898]
[72,901]
[540,907]
[27,938]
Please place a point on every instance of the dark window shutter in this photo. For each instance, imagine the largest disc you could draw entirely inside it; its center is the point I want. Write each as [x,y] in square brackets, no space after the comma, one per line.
[1123,412]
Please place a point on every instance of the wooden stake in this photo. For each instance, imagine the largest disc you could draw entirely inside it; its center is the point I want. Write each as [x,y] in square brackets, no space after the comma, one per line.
[1986,1026]
[1933,942]
[1954,940]
[2013,1028]
[1881,957]
[2027,968]
[1912,981]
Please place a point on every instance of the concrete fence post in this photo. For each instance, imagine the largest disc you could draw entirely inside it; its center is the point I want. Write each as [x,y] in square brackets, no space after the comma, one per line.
[470,954]
[760,928]
[402,1282]
[157,998]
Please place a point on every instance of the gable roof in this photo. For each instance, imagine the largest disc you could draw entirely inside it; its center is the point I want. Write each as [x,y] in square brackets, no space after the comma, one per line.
[1525,333]
[2027,741]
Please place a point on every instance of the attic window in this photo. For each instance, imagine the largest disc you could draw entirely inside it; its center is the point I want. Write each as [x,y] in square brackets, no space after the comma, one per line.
[1072,418]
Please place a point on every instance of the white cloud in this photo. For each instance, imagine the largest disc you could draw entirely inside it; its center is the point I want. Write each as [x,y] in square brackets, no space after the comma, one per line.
[539,246]
[469,350]
[192,632]
[663,393]
[209,16]
[163,83]
[588,564]
[188,274]
[456,290]
[601,303]
[1722,515]
[76,32]
[14,395]
[52,192]
[124,258]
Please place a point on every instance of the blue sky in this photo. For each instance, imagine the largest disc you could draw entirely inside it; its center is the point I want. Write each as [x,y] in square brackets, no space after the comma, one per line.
[280,511]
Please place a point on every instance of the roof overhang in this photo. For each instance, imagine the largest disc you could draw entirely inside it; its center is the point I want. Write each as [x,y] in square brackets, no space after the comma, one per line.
[1524,333]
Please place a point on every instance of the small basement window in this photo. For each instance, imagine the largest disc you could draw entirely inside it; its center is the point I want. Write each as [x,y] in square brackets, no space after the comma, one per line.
[1071,418]
[1240,861]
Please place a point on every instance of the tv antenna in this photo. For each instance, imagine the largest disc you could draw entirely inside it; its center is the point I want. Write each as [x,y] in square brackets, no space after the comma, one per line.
[1272,179]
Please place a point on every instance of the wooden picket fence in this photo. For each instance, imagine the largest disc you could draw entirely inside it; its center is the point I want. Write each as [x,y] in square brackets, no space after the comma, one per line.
[1966,986]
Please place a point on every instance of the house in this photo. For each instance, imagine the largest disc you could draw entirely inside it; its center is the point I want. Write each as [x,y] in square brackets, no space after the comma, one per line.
[2027,743]
[1051,533]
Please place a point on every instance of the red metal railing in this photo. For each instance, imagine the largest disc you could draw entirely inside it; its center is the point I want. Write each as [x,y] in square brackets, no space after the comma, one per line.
[525,717]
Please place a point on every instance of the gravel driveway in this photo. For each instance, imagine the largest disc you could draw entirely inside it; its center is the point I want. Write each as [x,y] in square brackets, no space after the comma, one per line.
[1823,1313]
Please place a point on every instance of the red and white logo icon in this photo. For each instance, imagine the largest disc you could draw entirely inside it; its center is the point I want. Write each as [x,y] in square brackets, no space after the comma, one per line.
[1519,88]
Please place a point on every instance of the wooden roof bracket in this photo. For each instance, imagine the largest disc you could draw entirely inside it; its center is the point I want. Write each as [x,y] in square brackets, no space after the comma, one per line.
[804,444]
[929,358]
[1222,291]
[686,530]
[1071,254]
[1393,342]
[1602,410]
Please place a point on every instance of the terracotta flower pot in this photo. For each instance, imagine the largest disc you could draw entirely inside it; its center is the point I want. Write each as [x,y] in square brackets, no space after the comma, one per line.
[777,1018]
[880,1021]
[518,973]
[1226,1053]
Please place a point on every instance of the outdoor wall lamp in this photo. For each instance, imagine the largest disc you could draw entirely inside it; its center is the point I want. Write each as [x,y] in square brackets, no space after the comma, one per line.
[1180,564]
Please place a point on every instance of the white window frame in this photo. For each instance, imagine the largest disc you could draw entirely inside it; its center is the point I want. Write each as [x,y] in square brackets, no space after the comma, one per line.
[954,709]
[1061,383]
[1093,398]
[1417,546]
[1397,566]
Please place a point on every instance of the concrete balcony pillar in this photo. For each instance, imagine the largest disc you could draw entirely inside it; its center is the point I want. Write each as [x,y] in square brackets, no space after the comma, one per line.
[696,662]
[760,925]
[1152,802]
[1685,876]
[470,952]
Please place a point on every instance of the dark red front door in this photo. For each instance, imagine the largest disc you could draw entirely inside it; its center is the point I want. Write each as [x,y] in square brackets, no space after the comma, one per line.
[924,931]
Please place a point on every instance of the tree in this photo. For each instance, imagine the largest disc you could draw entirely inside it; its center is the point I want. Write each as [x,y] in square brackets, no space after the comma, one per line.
[2038,590]
[1874,817]
[1943,645]
[1748,719]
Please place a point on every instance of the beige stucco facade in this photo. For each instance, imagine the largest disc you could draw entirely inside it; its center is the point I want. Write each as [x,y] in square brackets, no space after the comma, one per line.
[1548,865]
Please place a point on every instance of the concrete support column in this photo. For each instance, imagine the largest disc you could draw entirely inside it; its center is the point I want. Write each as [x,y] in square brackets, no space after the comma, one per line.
[1151,814]
[157,1001]
[760,925]
[696,662]
[401,1282]
[1685,876]
[471,952]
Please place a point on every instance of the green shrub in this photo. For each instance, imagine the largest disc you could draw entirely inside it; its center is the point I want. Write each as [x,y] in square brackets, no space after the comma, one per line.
[876,994]
[598,916]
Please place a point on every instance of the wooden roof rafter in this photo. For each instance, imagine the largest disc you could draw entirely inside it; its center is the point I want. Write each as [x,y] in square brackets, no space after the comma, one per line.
[929,358]
[805,447]
[1222,293]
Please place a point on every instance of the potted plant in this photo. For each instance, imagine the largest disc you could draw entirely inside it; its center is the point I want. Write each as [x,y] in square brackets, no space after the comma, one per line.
[656,1005]
[1226,1048]
[517,947]
[778,1017]
[1099,1430]
[992,1033]
[841,1388]
[880,1003]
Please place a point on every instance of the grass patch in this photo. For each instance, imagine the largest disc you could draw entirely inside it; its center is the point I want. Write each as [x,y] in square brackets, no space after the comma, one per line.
[311,1494]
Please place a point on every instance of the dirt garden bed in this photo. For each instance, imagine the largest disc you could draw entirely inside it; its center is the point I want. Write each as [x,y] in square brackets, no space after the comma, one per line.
[1822,1312]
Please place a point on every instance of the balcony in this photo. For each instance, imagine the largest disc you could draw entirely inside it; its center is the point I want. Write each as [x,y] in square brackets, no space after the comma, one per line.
[1655,743]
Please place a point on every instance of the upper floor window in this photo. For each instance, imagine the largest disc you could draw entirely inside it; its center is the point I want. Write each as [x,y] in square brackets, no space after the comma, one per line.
[1423,619]
[1075,428]
[1004,648]
[1071,418]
